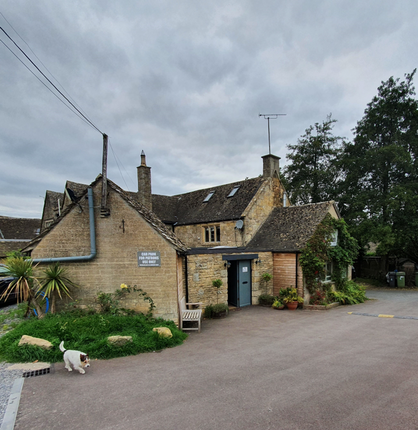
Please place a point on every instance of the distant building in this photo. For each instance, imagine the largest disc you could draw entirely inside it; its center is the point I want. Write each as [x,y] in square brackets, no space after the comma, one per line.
[15,233]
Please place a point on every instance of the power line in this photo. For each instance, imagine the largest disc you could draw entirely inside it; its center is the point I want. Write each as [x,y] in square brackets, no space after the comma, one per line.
[46,86]
[40,71]
[46,68]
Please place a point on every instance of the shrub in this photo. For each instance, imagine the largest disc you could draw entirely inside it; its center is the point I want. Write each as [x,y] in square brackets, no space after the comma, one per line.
[350,293]
[265,299]
[211,311]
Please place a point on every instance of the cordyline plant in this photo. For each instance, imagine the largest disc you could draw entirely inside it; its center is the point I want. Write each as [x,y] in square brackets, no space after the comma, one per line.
[24,282]
[54,282]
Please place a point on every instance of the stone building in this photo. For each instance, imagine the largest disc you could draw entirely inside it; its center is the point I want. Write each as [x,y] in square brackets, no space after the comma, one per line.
[233,232]
[16,233]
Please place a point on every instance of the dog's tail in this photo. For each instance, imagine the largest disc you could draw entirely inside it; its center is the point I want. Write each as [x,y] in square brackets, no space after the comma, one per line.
[62,347]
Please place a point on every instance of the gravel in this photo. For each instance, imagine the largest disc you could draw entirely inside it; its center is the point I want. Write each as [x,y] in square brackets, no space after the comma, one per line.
[7,377]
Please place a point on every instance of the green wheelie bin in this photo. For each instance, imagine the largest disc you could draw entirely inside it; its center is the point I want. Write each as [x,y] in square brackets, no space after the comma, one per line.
[400,279]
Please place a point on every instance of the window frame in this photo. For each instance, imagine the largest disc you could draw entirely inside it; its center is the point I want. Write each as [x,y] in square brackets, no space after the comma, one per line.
[212,233]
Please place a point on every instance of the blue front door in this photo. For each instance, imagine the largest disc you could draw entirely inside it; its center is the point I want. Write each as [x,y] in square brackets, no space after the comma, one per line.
[244,283]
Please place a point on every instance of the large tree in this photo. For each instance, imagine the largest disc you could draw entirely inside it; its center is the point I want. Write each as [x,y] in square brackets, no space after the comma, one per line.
[312,175]
[379,196]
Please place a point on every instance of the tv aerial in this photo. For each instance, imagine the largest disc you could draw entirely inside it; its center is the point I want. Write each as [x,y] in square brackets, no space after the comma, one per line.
[268,117]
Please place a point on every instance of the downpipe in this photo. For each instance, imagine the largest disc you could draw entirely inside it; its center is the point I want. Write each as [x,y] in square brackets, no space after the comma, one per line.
[93,251]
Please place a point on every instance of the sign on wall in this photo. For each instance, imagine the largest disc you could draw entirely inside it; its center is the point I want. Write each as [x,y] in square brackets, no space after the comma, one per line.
[149,259]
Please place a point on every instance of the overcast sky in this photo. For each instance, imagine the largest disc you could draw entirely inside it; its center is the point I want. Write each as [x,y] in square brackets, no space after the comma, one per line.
[184,81]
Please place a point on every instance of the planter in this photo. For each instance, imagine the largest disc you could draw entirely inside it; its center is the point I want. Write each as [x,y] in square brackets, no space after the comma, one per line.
[292,305]
[278,307]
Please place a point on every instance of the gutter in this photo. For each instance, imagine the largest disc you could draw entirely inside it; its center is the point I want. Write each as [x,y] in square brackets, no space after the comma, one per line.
[93,251]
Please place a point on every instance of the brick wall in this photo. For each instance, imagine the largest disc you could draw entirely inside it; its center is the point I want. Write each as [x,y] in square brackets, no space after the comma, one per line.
[118,239]
[284,273]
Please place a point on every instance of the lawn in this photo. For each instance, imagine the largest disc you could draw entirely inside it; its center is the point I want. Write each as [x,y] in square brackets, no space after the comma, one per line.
[87,332]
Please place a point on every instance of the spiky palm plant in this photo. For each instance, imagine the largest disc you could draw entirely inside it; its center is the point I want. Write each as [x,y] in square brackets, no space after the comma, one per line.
[54,282]
[24,282]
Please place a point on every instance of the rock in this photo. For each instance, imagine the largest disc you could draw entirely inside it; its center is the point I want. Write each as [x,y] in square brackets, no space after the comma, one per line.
[35,341]
[119,340]
[163,331]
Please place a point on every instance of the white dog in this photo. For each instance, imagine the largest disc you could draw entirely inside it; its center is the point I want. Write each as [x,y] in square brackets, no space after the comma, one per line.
[77,359]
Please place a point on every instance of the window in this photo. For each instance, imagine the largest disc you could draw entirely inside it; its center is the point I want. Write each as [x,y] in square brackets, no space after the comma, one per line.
[207,198]
[212,233]
[334,238]
[48,222]
[233,192]
[327,271]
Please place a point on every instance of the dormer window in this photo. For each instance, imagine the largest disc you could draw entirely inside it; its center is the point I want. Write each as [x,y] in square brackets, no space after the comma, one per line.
[209,196]
[233,192]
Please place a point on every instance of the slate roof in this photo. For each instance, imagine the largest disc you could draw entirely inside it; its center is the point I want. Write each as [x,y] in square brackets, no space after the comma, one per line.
[189,208]
[148,215]
[19,228]
[288,229]
[15,233]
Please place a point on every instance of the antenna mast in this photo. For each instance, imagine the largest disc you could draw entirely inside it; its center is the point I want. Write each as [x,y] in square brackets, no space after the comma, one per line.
[269,116]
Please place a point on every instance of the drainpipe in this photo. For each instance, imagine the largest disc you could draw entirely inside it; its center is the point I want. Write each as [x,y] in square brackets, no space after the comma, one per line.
[296,254]
[93,251]
[186,274]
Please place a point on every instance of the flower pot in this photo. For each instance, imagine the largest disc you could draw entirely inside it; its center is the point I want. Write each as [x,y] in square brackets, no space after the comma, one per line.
[292,305]
[278,307]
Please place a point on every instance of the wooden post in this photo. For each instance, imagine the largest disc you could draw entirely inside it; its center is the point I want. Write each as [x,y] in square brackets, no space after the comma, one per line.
[104,211]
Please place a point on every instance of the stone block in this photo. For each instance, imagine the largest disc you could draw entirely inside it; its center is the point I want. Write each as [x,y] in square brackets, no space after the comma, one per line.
[35,341]
[119,340]
[163,331]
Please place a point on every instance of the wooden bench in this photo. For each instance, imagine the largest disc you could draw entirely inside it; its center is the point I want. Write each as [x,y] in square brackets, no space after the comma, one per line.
[193,315]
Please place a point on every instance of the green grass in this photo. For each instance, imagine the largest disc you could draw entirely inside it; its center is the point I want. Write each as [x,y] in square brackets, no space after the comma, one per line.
[87,333]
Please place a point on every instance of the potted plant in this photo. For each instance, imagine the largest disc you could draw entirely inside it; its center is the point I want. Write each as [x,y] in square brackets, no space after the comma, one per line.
[290,297]
[266,278]
[277,304]
[217,283]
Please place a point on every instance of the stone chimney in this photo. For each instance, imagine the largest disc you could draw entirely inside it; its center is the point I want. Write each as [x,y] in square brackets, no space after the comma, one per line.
[271,167]
[144,183]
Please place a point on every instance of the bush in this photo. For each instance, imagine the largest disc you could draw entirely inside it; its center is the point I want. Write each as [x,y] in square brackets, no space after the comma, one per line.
[349,293]
[211,311]
[265,300]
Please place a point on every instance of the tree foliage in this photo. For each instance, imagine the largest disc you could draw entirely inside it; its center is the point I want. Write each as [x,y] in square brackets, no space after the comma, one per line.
[379,194]
[312,175]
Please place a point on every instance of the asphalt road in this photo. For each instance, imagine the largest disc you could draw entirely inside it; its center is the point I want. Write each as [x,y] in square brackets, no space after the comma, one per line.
[257,369]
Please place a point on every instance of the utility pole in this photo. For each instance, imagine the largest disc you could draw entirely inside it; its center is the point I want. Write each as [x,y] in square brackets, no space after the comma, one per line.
[104,210]
[269,116]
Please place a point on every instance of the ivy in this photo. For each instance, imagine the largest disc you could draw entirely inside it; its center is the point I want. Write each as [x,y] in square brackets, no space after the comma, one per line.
[318,251]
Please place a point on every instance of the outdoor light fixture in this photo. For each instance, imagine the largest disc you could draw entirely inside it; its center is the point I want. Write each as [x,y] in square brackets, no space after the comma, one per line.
[227,264]
[258,261]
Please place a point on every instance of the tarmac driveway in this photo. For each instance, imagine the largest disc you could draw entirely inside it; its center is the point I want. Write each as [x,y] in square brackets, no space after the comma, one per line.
[257,369]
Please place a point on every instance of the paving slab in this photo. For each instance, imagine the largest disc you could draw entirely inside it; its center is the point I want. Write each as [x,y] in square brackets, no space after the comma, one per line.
[259,368]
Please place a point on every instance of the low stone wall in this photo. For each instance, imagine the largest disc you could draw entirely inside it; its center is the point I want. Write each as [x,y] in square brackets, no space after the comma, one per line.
[321,307]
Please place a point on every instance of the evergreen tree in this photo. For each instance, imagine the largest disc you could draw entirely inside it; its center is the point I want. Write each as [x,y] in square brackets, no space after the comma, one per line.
[379,196]
[312,175]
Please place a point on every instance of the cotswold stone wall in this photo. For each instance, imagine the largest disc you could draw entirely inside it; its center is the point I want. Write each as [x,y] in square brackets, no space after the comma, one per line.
[194,235]
[204,268]
[268,196]
[258,284]
[118,239]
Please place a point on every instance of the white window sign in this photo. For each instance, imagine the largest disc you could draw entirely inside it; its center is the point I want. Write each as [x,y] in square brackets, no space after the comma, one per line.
[244,269]
[149,259]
